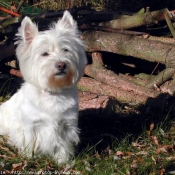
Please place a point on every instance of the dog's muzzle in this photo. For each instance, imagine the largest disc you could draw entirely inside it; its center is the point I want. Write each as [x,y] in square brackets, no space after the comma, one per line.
[61,67]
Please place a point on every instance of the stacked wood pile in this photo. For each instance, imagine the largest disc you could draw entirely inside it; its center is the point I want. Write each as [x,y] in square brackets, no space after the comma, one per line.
[141,37]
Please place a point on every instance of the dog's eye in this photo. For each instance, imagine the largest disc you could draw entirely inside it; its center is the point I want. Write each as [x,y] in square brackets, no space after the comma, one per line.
[45,54]
[65,50]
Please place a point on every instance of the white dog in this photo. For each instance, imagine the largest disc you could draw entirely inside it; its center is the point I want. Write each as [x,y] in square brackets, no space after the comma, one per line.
[41,118]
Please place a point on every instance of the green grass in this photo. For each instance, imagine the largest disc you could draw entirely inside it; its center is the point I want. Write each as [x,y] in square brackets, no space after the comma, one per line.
[152,153]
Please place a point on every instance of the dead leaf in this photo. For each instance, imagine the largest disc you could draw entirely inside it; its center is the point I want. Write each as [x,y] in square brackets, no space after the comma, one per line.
[87,168]
[126,157]
[151,126]
[155,140]
[162,171]
[135,144]
[161,150]
[2,164]
[108,150]
[17,167]
[117,158]
[145,36]
[170,148]
[153,159]
[24,164]
[165,149]
[162,132]
[129,153]
[170,158]
[119,154]
[142,153]
[134,164]
[7,150]
[148,133]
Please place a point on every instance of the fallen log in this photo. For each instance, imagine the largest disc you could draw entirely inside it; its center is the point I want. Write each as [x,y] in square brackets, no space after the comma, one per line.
[106,29]
[163,100]
[99,73]
[169,23]
[163,76]
[161,39]
[137,20]
[89,84]
[143,48]
[16,73]
[129,45]
[95,104]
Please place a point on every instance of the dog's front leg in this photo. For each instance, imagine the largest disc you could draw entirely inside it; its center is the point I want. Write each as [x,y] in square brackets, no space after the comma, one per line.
[71,131]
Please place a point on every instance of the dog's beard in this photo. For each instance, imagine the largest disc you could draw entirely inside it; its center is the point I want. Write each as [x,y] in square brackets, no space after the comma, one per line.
[61,80]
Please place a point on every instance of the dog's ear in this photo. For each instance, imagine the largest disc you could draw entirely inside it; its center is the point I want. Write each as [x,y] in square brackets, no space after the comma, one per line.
[28,30]
[67,23]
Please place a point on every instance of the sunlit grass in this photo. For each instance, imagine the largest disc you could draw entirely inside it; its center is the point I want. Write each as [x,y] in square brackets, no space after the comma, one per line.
[151,153]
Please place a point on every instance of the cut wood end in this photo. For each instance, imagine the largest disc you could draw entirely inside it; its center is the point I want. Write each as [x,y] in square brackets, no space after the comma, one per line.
[16,73]
[100,104]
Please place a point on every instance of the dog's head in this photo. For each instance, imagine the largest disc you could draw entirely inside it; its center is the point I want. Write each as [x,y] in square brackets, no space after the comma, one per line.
[54,59]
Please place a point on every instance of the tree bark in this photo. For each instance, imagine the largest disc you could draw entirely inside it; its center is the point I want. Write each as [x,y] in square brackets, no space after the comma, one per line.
[154,51]
[163,76]
[169,23]
[95,104]
[136,20]
[89,84]
[99,73]
[16,73]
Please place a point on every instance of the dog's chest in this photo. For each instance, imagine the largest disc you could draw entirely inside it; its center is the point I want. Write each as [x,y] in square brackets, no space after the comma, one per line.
[48,107]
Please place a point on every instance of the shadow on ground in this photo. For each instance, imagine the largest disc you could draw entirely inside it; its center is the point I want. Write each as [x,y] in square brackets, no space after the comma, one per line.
[102,130]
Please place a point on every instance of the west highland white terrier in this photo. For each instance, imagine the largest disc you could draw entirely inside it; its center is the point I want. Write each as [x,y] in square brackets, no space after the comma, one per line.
[41,118]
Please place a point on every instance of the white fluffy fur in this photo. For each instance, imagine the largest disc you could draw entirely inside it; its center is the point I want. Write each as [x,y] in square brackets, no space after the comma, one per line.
[41,118]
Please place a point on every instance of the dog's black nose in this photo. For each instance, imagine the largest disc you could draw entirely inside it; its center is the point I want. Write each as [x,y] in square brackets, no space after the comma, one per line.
[61,66]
